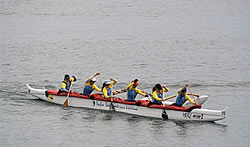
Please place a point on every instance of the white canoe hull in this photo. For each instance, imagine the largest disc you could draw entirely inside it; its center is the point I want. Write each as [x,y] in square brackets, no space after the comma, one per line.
[195,114]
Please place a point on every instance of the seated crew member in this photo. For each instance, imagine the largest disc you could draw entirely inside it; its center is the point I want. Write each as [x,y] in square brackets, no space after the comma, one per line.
[133,91]
[158,94]
[107,88]
[66,83]
[90,85]
[183,97]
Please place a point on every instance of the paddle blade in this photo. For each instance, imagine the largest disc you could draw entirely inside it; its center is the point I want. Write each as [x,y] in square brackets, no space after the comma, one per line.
[66,103]
[112,107]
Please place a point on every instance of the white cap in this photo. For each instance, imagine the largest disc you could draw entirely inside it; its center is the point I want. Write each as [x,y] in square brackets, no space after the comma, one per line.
[107,82]
[93,79]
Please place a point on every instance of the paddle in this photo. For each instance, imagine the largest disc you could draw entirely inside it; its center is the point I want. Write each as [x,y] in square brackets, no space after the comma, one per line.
[119,91]
[67,99]
[100,79]
[141,88]
[111,107]
[163,93]
[191,94]
[164,113]
[145,92]
[167,98]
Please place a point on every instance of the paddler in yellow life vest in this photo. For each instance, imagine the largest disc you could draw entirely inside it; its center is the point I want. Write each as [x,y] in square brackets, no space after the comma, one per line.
[158,94]
[133,91]
[66,83]
[183,97]
[90,85]
[107,88]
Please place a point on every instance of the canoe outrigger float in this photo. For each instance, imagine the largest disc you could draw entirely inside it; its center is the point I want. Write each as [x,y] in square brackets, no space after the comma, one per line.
[139,107]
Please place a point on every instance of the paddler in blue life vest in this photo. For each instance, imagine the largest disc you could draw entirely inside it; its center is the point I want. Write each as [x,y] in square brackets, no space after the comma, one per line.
[183,97]
[158,94]
[66,83]
[132,91]
[90,85]
[107,88]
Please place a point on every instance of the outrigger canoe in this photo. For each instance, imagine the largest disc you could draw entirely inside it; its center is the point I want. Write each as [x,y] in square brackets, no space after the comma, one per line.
[139,107]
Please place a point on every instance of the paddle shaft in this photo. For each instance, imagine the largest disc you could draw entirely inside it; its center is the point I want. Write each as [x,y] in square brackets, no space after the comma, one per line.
[112,93]
[145,92]
[141,88]
[111,100]
[163,95]
[91,77]
[119,91]
[67,99]
[100,78]
[190,92]
[167,98]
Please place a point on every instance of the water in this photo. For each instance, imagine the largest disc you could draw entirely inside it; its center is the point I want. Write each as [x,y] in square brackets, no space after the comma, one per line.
[205,44]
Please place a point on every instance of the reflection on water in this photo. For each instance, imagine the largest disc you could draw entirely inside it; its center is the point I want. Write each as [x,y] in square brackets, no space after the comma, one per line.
[157,126]
[67,113]
[107,117]
[133,118]
[187,128]
[181,131]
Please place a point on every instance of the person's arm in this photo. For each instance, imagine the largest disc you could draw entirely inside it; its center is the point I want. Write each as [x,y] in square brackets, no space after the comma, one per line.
[190,100]
[91,77]
[193,94]
[105,93]
[155,96]
[165,89]
[129,85]
[73,79]
[64,87]
[96,88]
[114,81]
[140,92]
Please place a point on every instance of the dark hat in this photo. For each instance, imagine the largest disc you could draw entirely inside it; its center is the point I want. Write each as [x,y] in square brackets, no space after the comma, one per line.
[158,86]
[184,90]
[66,76]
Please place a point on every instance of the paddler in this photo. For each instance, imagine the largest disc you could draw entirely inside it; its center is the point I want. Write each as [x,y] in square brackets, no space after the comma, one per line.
[66,83]
[183,97]
[107,88]
[90,85]
[158,94]
[133,91]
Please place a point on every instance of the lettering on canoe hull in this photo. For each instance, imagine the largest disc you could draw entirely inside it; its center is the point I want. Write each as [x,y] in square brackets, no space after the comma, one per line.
[190,115]
[101,104]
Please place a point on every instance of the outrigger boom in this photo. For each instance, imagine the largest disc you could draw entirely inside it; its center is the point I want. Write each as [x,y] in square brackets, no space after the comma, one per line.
[139,107]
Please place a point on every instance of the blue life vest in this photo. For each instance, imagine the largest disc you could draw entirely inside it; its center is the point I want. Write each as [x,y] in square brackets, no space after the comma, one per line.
[87,89]
[132,95]
[158,102]
[67,85]
[180,100]
[109,91]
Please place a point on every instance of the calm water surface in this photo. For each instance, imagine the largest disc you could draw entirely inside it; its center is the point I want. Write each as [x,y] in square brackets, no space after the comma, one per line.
[203,43]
